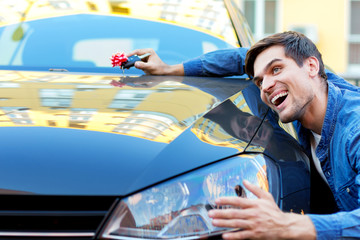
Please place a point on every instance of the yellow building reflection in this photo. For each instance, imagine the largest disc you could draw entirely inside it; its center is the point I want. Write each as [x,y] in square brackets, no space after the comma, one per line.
[85,102]
[208,16]
[92,103]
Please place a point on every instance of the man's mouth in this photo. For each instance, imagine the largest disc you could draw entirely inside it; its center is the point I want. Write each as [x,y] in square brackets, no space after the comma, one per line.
[279,98]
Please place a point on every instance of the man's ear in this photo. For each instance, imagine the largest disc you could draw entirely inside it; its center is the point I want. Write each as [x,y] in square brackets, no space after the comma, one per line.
[313,66]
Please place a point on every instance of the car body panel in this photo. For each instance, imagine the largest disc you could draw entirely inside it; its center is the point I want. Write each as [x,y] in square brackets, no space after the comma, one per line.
[98,160]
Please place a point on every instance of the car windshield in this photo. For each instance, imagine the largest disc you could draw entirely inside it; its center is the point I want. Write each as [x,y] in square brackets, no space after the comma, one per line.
[76,39]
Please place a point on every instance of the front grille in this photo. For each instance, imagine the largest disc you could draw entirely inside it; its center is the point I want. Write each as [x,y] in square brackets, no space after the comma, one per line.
[52,215]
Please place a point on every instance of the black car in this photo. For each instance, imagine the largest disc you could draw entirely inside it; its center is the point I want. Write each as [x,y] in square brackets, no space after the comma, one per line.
[90,151]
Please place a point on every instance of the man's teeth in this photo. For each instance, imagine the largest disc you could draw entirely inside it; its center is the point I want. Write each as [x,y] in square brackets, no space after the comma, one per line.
[273,100]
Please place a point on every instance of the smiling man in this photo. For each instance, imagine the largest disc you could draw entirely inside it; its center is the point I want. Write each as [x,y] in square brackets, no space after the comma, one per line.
[325,109]
[294,91]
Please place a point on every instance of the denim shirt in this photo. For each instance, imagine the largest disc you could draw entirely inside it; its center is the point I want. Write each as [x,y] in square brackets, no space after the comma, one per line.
[339,147]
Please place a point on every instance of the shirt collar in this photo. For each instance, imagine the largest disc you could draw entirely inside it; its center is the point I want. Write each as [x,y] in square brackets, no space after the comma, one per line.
[332,110]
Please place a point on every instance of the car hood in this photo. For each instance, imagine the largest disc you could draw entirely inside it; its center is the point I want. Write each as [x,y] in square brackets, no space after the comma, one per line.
[73,134]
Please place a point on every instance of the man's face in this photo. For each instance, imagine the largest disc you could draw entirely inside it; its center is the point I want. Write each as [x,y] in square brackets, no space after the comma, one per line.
[285,87]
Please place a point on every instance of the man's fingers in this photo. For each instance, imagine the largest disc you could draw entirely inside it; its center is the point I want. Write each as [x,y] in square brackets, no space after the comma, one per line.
[235,201]
[257,191]
[244,202]
[243,228]
[140,65]
[232,213]
[231,223]
[141,52]
[225,213]
[241,234]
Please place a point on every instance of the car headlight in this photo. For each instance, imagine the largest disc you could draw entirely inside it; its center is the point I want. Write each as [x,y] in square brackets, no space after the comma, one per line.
[178,208]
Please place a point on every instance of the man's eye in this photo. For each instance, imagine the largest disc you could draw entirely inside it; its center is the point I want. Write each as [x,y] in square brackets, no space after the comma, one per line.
[259,83]
[276,70]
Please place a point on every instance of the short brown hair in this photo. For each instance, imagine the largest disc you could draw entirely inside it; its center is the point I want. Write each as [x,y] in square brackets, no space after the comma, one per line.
[297,46]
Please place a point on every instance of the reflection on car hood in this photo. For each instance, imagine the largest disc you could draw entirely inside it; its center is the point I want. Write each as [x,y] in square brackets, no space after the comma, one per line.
[69,134]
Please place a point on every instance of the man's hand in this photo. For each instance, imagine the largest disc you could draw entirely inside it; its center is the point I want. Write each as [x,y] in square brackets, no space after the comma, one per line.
[153,65]
[260,218]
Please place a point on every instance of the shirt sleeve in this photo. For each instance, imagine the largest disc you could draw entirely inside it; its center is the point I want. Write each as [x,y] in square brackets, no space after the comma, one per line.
[340,82]
[341,225]
[220,63]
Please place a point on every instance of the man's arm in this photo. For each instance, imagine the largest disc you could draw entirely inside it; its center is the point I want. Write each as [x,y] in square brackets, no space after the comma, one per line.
[340,82]
[338,225]
[153,65]
[220,63]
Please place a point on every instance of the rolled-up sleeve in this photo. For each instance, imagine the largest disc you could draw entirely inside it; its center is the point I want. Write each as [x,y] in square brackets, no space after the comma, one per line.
[220,63]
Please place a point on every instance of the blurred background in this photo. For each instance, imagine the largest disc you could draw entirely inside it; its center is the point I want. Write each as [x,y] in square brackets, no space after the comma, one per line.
[333,25]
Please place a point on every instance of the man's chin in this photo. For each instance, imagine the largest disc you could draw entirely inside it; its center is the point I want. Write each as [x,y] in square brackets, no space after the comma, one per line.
[286,118]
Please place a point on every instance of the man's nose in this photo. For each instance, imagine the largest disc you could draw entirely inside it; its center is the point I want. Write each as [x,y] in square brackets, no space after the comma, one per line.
[267,84]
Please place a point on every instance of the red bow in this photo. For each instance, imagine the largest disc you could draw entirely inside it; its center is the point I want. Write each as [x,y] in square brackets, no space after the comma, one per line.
[118,59]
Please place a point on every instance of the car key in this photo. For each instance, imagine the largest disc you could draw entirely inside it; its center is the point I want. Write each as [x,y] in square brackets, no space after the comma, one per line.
[131,60]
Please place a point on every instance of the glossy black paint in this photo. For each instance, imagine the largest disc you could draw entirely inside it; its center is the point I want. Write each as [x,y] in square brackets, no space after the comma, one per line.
[73,161]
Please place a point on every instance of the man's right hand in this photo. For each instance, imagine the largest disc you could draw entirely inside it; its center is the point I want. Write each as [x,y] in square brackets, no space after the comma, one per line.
[153,65]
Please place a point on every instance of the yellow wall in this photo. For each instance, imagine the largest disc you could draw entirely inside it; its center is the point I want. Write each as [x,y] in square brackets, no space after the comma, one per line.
[330,18]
